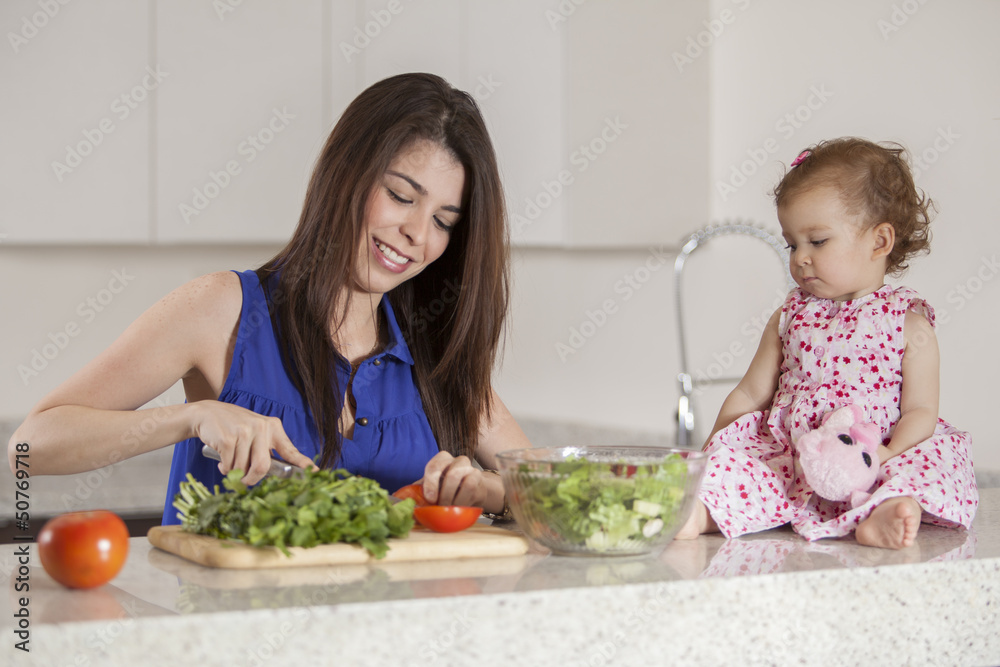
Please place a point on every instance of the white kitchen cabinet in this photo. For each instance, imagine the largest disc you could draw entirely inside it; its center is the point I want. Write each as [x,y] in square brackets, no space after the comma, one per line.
[78,84]
[514,69]
[424,36]
[602,137]
[637,115]
[240,120]
[202,122]
[504,54]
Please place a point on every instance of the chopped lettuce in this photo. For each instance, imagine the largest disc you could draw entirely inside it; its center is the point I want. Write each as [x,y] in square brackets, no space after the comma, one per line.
[605,507]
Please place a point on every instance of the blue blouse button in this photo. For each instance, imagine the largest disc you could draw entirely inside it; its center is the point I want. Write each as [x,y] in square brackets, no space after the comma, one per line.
[363,421]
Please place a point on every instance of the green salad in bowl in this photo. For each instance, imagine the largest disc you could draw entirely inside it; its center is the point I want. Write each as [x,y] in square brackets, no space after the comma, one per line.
[601,500]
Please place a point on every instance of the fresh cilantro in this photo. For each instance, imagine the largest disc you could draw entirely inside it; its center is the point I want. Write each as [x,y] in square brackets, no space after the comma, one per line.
[315,507]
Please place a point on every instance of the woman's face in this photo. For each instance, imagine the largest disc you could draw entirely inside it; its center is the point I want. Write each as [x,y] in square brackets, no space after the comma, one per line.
[410,216]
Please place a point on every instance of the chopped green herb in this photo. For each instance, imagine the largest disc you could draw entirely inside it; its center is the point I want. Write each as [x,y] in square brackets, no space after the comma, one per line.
[315,507]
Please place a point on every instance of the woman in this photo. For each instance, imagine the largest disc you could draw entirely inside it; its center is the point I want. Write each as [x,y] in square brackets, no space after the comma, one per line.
[366,343]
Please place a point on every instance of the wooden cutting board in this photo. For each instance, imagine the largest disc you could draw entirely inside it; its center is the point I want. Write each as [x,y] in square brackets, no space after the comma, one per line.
[421,544]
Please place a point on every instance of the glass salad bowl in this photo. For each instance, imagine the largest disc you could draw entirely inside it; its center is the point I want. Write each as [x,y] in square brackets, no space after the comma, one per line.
[601,501]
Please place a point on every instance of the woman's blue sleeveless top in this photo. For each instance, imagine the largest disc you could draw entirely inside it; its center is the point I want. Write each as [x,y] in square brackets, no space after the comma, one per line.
[392,438]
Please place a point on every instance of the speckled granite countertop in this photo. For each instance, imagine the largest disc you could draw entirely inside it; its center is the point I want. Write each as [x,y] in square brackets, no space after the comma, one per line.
[767,599]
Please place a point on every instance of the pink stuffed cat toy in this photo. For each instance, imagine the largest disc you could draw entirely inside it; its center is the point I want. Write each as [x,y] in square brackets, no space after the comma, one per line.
[840,458]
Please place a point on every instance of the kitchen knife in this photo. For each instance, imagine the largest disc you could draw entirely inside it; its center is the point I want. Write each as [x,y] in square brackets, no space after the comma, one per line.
[278,468]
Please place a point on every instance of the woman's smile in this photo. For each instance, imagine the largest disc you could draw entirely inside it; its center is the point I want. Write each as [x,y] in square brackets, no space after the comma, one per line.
[388,257]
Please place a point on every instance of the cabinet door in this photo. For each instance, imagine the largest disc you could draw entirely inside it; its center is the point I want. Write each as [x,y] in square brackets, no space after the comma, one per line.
[638,123]
[406,36]
[78,85]
[515,71]
[240,120]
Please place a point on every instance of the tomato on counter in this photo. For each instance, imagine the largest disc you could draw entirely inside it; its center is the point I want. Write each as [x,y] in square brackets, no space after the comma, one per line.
[446,518]
[83,549]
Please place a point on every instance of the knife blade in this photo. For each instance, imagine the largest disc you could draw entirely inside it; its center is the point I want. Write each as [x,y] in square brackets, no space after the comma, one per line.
[277,469]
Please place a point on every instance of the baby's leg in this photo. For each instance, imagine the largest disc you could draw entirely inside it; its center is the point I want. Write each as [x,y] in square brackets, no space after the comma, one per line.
[700,522]
[891,525]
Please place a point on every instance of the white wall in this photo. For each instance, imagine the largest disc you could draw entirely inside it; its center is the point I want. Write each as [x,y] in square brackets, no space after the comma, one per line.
[924,74]
[936,74]
[921,73]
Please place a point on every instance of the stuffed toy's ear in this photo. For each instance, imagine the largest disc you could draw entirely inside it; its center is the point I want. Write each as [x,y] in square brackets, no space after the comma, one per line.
[840,458]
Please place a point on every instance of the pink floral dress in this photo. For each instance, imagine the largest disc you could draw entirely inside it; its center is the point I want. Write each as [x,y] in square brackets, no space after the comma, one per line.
[835,353]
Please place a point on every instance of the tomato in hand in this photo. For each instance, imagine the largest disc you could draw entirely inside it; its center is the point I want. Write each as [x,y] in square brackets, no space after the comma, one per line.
[415,491]
[446,518]
[83,549]
[439,518]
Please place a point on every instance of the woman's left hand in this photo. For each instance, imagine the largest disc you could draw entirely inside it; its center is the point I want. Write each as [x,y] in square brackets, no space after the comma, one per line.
[450,480]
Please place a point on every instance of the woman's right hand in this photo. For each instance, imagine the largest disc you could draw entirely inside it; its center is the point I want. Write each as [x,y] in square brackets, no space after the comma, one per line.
[93,418]
[244,439]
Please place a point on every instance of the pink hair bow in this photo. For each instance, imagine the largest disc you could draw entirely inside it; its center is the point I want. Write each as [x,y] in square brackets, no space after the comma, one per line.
[801,158]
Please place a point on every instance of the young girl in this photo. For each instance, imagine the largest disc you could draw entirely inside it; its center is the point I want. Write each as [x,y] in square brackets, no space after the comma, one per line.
[851,214]
[367,343]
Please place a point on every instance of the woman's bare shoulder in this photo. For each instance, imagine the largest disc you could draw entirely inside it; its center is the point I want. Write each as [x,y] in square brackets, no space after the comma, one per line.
[200,317]
[214,298]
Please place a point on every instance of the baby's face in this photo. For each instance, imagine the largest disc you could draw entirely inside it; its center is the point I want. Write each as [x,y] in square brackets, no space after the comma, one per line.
[834,255]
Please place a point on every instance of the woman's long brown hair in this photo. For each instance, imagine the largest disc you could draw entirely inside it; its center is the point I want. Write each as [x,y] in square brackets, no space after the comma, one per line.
[451,314]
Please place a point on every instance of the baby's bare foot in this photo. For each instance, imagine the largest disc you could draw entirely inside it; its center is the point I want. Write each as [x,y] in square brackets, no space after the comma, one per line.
[699,522]
[891,525]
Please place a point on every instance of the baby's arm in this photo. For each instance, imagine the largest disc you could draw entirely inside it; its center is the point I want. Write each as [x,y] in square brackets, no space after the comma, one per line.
[918,402]
[756,390]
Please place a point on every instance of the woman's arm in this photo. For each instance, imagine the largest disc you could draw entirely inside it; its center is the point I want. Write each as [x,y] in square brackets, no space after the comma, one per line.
[450,480]
[91,420]
[756,390]
[918,401]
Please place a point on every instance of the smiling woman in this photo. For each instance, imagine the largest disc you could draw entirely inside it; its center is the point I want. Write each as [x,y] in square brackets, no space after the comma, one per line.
[322,355]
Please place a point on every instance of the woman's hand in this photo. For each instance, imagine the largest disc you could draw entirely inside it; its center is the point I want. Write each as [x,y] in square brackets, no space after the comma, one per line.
[455,481]
[244,439]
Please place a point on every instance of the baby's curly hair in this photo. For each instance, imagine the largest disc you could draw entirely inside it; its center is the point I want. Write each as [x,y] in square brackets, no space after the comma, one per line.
[873,179]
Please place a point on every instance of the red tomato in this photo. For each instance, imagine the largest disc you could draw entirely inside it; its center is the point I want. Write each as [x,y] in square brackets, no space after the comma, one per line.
[415,491]
[83,549]
[446,518]
[624,469]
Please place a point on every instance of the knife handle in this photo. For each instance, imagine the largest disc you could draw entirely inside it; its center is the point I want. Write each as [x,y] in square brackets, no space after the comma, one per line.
[278,468]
